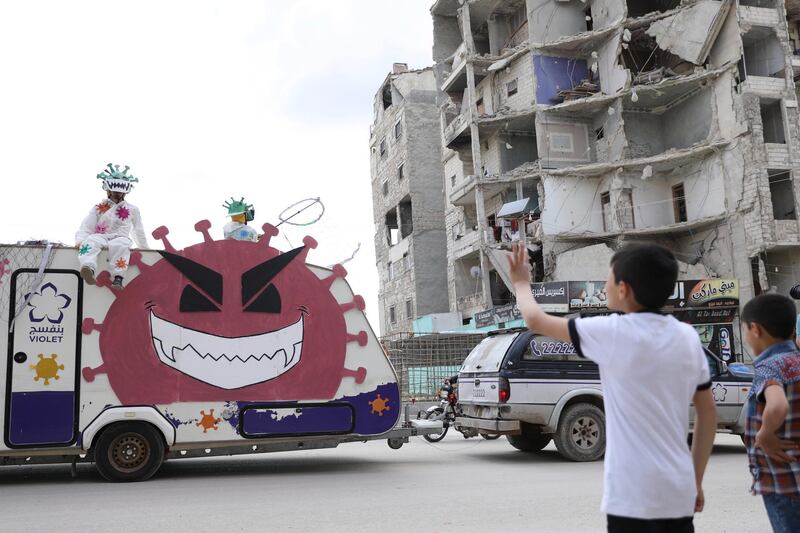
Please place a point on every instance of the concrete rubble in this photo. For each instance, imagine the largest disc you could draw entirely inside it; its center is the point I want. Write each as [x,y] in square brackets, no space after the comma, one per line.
[666,121]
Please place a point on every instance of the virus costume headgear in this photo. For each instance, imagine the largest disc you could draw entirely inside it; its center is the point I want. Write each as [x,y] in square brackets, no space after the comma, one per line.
[115,180]
[240,207]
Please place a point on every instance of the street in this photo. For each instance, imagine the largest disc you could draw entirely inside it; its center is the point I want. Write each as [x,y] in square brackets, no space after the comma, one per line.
[456,485]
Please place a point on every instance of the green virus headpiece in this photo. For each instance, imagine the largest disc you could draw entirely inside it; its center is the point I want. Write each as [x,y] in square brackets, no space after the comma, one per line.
[115,180]
[237,207]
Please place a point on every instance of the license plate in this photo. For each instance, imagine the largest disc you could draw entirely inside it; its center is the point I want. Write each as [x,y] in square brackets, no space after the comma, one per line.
[478,393]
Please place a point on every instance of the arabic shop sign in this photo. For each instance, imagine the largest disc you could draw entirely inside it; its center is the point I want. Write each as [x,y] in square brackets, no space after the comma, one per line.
[497,315]
[704,301]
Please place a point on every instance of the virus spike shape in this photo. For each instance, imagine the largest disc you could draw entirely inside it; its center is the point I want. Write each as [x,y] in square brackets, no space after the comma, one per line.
[270,231]
[136,260]
[337,272]
[47,368]
[379,405]
[207,421]
[203,226]
[160,233]
[222,316]
[4,269]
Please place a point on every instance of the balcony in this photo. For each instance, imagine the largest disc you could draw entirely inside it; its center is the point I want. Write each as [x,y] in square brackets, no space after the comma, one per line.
[677,228]
[457,132]
[467,244]
[464,194]
[660,163]
[758,16]
[582,43]
[787,233]
[765,87]
[778,155]
[470,304]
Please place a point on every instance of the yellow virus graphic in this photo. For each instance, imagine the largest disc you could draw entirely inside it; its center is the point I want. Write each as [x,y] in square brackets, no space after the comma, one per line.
[208,421]
[47,368]
[379,405]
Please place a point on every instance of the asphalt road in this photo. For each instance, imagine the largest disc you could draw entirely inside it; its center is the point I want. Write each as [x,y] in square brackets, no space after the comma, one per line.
[456,485]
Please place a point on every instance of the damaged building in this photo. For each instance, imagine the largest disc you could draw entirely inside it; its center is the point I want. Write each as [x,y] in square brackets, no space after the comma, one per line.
[407,198]
[664,121]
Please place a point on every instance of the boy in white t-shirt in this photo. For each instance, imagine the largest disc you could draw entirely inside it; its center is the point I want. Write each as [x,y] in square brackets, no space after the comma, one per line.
[652,367]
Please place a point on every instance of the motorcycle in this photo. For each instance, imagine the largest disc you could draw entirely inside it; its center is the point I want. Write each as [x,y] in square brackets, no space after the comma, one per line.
[446,413]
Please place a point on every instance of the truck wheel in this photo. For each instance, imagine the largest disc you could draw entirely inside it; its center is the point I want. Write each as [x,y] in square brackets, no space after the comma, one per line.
[128,451]
[490,436]
[530,440]
[395,444]
[436,413]
[581,434]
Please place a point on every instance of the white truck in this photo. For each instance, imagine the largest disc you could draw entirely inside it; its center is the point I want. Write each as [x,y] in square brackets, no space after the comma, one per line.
[224,347]
[534,390]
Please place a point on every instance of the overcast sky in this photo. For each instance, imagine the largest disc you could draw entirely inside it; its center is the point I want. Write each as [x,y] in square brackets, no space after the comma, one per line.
[204,100]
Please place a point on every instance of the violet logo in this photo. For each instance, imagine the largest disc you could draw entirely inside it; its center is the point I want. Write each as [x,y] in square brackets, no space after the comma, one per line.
[719,391]
[47,304]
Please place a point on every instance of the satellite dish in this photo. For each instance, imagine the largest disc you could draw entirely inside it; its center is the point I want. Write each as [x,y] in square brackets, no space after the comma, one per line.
[475,272]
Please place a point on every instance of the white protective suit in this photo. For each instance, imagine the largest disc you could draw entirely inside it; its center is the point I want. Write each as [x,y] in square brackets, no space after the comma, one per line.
[109,225]
[240,232]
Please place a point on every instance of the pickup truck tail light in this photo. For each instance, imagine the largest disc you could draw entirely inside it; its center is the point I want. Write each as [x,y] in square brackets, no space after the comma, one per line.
[504,391]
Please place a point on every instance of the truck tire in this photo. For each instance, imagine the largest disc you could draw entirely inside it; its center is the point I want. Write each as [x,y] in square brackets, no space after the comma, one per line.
[530,440]
[581,434]
[128,451]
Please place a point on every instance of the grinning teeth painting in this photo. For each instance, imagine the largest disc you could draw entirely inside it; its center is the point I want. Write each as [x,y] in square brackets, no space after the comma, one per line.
[223,316]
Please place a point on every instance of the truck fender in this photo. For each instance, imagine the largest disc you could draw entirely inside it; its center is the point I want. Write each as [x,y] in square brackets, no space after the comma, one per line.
[738,428]
[552,424]
[139,413]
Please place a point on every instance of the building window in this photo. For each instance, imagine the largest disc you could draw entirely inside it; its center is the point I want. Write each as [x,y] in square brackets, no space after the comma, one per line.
[392,315]
[385,187]
[605,206]
[383,147]
[679,202]
[400,169]
[518,18]
[511,87]
[780,189]
[409,309]
[390,270]
[772,120]
[479,105]
[406,261]
[453,181]
[625,210]
[392,229]
[561,142]
[398,130]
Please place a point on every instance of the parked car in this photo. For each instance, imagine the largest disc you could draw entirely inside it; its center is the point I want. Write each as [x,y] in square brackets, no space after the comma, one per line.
[534,389]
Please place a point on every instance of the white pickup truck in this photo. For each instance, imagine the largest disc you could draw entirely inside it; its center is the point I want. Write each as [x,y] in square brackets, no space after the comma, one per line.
[534,390]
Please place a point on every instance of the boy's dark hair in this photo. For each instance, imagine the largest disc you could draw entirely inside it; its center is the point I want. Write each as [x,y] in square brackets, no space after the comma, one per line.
[774,312]
[650,270]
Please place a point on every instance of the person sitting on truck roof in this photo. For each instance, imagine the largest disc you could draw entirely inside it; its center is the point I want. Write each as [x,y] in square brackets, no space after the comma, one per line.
[772,435]
[241,213]
[109,224]
[651,367]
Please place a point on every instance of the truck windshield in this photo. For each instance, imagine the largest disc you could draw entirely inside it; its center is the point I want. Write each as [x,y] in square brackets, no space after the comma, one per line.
[487,356]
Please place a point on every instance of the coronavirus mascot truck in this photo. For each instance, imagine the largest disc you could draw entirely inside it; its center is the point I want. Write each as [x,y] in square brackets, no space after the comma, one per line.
[226,345]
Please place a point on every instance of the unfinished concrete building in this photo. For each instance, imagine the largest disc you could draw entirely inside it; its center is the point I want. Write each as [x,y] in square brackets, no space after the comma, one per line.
[651,120]
[407,199]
